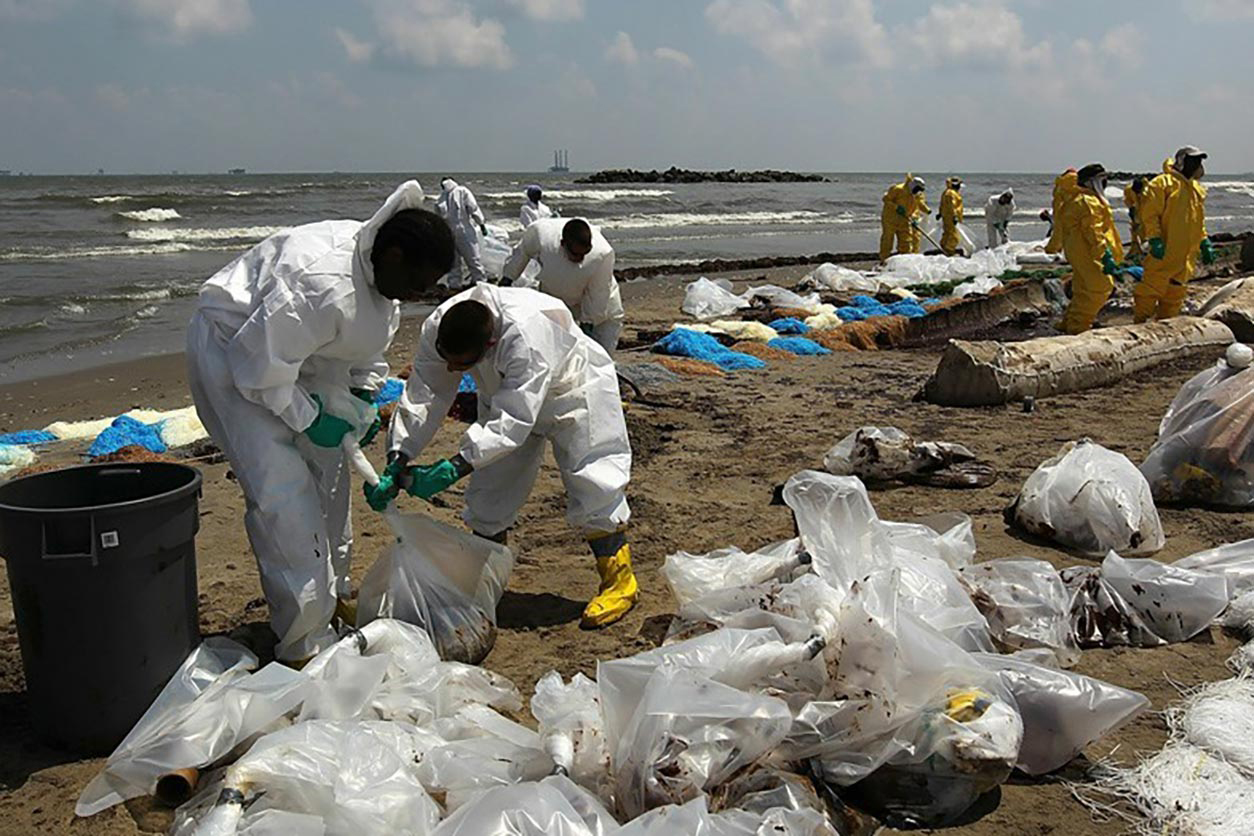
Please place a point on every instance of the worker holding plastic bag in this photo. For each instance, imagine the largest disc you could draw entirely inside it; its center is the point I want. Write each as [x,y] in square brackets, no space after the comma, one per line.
[1173,212]
[1205,449]
[279,337]
[457,205]
[904,204]
[539,378]
[576,266]
[1093,248]
[951,215]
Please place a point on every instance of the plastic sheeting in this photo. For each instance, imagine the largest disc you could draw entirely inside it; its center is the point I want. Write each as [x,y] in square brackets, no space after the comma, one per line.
[444,580]
[842,280]
[1091,499]
[705,299]
[552,807]
[1234,561]
[1205,449]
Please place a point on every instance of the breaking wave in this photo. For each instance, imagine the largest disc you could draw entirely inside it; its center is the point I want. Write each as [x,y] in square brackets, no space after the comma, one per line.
[191,234]
[153,215]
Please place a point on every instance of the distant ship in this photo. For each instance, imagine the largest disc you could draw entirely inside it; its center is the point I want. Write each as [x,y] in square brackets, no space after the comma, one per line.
[236,171]
[561,161]
[5,172]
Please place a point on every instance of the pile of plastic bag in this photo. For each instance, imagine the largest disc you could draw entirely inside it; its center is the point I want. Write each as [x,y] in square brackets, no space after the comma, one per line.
[706,299]
[1204,454]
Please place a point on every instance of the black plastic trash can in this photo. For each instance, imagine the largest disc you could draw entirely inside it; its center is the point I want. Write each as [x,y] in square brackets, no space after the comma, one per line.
[102,566]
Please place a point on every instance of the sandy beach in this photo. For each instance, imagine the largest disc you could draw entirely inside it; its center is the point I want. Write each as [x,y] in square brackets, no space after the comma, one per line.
[707,456]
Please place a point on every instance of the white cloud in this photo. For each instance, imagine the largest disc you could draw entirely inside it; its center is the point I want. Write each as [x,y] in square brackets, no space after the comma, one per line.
[432,33]
[680,59]
[1124,44]
[182,19]
[551,10]
[622,51]
[1220,9]
[357,50]
[798,32]
[983,34]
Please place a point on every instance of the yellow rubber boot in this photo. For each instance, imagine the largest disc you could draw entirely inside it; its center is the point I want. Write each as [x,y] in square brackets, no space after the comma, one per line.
[619,589]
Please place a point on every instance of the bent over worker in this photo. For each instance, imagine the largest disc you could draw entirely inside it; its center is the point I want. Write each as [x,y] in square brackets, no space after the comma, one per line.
[998,211]
[904,204]
[1092,246]
[1173,212]
[576,266]
[309,310]
[951,215]
[540,379]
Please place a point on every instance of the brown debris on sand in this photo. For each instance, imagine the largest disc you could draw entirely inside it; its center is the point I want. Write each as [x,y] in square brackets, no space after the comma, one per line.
[684,365]
[762,351]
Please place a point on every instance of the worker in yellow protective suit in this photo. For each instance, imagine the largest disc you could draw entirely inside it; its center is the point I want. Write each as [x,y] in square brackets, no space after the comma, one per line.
[1092,246]
[1173,212]
[903,205]
[950,215]
[1065,189]
[1133,196]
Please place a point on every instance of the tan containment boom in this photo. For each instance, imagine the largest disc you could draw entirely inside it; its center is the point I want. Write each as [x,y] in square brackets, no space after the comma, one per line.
[988,373]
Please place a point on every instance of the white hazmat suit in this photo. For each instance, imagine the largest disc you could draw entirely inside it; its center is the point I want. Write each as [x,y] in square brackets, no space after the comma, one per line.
[541,379]
[532,211]
[997,218]
[588,287]
[297,314]
[457,205]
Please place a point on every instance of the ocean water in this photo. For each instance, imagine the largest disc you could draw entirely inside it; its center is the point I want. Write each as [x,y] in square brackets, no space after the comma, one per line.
[99,269]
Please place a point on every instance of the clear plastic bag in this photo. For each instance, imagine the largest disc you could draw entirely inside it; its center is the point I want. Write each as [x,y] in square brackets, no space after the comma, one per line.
[552,807]
[1234,561]
[691,576]
[210,706]
[885,454]
[828,276]
[572,731]
[1063,712]
[442,579]
[1175,603]
[705,299]
[1205,451]
[1091,499]
[778,297]
[1026,605]
[689,734]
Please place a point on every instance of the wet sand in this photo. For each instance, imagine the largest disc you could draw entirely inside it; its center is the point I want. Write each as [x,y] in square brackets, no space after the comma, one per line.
[705,465]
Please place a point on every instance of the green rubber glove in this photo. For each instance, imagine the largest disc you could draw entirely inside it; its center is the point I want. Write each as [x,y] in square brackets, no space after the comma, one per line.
[429,480]
[381,495]
[1158,248]
[1109,267]
[327,430]
[376,425]
[1208,252]
[901,210]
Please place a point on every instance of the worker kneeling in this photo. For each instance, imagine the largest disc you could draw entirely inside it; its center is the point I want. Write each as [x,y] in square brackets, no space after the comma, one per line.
[539,377]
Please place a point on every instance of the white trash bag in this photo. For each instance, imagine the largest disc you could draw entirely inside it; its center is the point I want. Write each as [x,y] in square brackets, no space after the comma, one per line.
[1233,561]
[1063,712]
[572,730]
[444,580]
[1175,603]
[552,807]
[691,576]
[1026,605]
[839,279]
[705,299]
[1091,499]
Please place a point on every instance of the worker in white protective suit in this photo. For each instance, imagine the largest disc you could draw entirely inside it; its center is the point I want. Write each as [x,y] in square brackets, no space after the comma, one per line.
[457,205]
[997,214]
[534,209]
[539,378]
[280,338]
[576,266]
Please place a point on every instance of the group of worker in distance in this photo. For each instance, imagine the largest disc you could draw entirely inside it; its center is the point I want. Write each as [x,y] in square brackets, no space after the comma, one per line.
[1167,213]
[286,358]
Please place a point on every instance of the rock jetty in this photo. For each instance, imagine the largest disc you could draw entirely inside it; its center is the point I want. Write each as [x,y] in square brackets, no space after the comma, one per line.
[618,176]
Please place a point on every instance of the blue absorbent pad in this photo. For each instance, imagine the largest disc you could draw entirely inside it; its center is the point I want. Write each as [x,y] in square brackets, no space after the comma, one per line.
[798,345]
[866,302]
[467,384]
[390,392]
[124,432]
[684,342]
[789,325]
[907,307]
[27,437]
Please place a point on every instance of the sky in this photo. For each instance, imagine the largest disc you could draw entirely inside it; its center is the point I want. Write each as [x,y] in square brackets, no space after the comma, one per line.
[495,85]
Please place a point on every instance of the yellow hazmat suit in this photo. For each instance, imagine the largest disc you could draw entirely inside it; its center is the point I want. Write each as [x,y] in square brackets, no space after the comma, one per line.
[1090,231]
[1173,208]
[1065,189]
[1133,201]
[951,216]
[901,209]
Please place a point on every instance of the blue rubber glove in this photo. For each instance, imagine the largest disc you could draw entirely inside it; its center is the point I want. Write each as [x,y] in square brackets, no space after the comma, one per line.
[327,430]
[1158,248]
[1208,252]
[901,210]
[376,425]
[1109,267]
[429,480]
